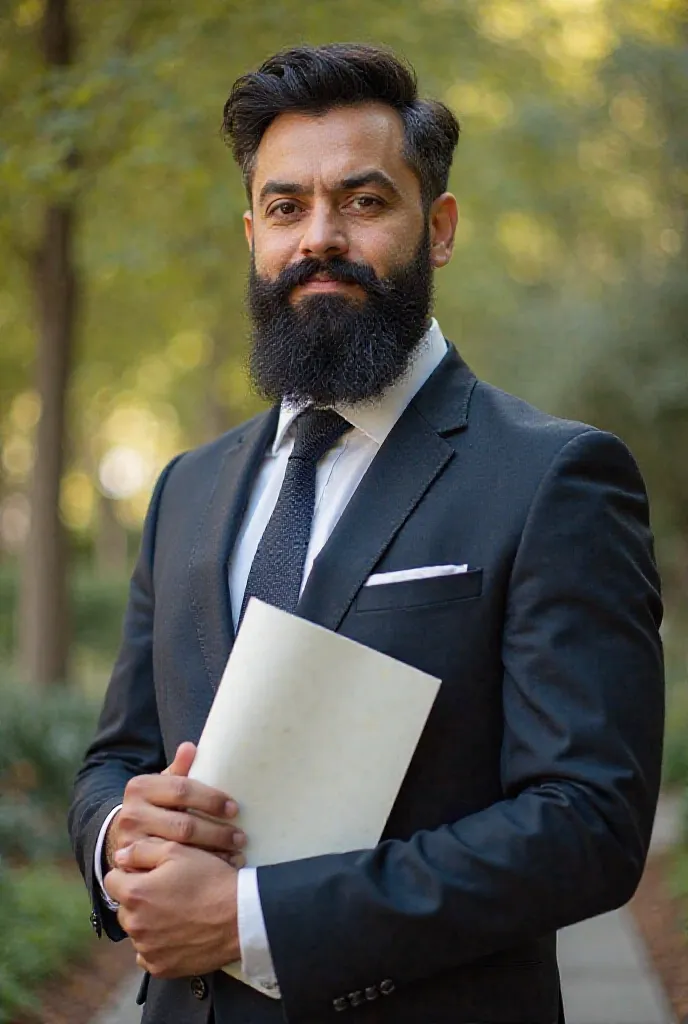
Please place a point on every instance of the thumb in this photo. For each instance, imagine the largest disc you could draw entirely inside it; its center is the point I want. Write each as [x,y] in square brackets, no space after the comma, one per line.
[183,760]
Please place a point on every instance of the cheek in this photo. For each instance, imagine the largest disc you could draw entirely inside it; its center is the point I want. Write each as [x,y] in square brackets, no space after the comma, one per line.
[270,254]
[385,246]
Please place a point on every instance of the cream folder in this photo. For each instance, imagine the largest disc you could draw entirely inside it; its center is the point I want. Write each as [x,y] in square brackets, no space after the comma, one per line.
[312,734]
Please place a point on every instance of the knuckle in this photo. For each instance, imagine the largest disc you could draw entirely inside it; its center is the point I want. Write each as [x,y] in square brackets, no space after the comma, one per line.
[128,825]
[180,788]
[133,849]
[217,805]
[135,895]
[136,786]
[169,849]
[184,827]
[143,943]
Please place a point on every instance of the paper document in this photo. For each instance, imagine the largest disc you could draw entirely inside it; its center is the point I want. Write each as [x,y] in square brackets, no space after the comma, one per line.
[312,734]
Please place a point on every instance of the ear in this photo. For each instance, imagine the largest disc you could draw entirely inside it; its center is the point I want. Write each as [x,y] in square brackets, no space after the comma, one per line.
[248,228]
[444,216]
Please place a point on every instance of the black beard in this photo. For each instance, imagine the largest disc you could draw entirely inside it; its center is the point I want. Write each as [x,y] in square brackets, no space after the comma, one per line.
[330,349]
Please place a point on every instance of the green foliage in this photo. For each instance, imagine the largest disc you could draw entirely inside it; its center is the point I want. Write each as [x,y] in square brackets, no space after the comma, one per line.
[44,915]
[97,607]
[8,597]
[676,737]
[675,755]
[43,737]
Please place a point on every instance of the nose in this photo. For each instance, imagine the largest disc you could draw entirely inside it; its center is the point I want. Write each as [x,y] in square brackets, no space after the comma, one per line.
[324,235]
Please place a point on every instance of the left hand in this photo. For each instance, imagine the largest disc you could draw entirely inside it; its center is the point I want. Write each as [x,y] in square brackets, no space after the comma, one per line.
[178,904]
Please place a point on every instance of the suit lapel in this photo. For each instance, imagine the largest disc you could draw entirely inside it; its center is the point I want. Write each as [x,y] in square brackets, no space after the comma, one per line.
[409,461]
[215,537]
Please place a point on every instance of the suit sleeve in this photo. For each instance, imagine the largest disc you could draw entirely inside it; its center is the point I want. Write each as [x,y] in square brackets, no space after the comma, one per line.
[127,740]
[583,705]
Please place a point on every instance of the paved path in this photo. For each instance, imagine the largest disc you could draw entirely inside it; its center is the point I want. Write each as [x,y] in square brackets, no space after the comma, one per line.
[606,974]
[123,1008]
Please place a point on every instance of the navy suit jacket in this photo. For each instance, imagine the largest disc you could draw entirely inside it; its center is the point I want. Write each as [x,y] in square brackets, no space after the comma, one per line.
[530,799]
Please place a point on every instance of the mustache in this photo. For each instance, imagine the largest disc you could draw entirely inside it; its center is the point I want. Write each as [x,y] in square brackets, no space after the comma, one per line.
[335,269]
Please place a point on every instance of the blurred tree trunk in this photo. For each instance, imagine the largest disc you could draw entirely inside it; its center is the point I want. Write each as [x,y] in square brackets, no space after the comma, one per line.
[44,641]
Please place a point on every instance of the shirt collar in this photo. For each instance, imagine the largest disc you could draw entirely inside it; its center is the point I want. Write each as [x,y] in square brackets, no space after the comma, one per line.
[377,417]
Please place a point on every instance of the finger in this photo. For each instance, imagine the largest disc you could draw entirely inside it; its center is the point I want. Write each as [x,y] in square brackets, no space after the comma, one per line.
[189,829]
[114,884]
[235,860]
[183,759]
[144,855]
[179,792]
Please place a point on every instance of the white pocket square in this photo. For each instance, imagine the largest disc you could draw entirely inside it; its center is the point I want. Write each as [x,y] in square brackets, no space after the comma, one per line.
[423,573]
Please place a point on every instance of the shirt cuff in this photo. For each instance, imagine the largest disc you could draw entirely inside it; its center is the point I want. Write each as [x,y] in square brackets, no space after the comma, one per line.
[256,959]
[98,858]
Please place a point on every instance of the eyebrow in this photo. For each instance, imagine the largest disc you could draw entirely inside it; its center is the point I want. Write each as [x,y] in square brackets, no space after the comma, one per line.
[294,188]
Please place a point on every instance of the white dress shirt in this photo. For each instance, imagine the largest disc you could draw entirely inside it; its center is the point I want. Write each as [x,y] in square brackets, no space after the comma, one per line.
[338,475]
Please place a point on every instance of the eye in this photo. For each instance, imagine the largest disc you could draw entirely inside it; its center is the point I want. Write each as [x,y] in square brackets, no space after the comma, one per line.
[284,208]
[364,203]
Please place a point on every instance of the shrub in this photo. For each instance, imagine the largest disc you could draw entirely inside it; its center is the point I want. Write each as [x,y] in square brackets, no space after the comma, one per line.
[43,736]
[44,915]
[96,608]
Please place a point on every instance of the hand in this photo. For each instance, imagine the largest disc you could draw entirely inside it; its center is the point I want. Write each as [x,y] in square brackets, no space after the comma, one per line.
[168,806]
[178,905]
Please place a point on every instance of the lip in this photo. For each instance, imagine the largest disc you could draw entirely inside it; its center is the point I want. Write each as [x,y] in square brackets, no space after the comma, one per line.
[324,286]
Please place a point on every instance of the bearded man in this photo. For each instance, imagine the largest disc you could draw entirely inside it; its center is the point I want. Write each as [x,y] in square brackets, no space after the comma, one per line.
[520,571]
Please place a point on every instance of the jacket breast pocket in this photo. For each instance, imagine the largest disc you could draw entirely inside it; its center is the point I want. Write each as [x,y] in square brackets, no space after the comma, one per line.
[418,593]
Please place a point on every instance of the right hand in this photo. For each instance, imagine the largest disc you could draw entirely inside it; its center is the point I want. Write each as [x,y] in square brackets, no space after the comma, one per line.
[158,806]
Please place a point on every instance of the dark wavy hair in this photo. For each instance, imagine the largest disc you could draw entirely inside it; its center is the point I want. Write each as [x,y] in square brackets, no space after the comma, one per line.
[315,79]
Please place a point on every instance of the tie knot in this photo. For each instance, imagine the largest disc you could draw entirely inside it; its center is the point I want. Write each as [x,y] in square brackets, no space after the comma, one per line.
[316,431]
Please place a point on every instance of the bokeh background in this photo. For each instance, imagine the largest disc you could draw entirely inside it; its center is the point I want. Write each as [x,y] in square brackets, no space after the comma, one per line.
[123,336]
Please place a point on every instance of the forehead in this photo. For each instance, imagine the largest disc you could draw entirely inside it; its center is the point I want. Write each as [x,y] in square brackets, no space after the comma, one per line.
[320,150]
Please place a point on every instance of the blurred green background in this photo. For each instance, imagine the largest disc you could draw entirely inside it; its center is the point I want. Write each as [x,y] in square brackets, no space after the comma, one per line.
[122,332]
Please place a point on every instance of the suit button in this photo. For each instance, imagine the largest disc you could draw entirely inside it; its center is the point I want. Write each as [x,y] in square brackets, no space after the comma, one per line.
[199,988]
[371,992]
[356,998]
[95,924]
[387,986]
[340,1003]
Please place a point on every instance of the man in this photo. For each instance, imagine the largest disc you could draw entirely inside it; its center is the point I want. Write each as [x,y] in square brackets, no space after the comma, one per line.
[530,799]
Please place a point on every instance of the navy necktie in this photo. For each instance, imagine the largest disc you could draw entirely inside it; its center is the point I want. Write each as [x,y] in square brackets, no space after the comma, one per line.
[277,568]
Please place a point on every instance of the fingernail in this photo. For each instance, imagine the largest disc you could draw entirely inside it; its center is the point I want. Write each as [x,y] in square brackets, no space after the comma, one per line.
[231,808]
[239,838]
[122,856]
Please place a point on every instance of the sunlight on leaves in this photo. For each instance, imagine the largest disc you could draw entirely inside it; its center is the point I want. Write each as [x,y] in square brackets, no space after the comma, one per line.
[532,246]
[472,99]
[25,411]
[630,199]
[77,500]
[189,350]
[505,20]
[29,13]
